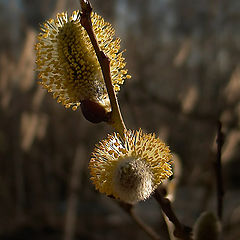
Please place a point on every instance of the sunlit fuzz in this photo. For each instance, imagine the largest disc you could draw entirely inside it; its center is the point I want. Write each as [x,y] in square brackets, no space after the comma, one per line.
[130,169]
[67,63]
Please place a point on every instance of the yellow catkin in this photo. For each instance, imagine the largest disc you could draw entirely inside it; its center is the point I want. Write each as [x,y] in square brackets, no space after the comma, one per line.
[140,156]
[67,63]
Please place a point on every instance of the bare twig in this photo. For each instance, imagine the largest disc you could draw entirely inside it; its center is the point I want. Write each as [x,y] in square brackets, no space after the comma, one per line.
[180,231]
[218,169]
[115,116]
[128,208]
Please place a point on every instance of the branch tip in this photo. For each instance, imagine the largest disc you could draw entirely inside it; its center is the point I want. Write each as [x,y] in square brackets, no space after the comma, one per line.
[86,6]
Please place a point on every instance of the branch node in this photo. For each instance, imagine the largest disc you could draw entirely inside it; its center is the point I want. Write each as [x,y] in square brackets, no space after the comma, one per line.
[181,231]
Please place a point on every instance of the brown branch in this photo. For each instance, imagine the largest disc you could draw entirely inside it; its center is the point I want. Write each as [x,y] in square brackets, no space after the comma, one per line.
[115,116]
[128,208]
[218,169]
[181,231]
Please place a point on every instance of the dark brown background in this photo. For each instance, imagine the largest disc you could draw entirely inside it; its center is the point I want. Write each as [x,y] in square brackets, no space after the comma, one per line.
[183,56]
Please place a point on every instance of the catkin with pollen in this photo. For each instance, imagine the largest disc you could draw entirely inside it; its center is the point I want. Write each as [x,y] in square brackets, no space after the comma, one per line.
[68,66]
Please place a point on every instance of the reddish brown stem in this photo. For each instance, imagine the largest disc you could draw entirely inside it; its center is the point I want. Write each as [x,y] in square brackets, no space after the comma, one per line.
[115,118]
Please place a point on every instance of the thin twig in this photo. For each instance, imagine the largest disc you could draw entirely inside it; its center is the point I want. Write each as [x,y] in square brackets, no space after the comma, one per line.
[218,169]
[180,231]
[129,209]
[168,188]
[115,118]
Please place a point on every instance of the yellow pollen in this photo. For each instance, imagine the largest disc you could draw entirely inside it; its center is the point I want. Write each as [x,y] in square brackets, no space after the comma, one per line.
[131,169]
[67,63]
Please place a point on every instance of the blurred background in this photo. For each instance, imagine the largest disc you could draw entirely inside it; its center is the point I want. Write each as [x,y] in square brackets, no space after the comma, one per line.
[183,56]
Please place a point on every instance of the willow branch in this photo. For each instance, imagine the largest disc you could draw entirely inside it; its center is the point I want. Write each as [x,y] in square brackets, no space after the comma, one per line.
[180,231]
[218,169]
[128,208]
[115,116]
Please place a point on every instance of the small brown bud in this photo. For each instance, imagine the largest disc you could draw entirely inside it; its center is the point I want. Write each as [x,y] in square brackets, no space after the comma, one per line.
[207,227]
[94,112]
